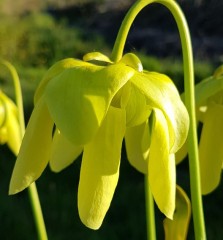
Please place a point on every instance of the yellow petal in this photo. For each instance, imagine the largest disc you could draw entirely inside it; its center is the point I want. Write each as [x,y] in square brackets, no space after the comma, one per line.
[181,154]
[161,93]
[137,110]
[14,133]
[78,99]
[35,149]
[178,227]
[135,139]
[96,56]
[161,171]
[14,137]
[100,169]
[63,152]
[211,148]
[54,71]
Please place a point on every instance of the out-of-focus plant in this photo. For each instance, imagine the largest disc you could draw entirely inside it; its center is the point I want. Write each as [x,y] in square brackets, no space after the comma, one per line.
[11,132]
[209,102]
[39,40]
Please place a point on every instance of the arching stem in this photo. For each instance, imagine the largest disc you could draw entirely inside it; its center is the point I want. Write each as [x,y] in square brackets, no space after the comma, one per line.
[117,53]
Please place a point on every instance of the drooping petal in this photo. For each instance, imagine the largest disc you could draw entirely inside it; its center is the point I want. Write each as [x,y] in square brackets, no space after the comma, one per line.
[10,124]
[35,149]
[13,132]
[161,167]
[210,148]
[56,70]
[181,154]
[177,228]
[207,88]
[161,93]
[78,98]
[63,152]
[100,169]
[137,109]
[137,142]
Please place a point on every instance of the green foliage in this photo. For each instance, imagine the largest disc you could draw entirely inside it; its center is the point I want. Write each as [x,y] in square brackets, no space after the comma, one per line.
[38,40]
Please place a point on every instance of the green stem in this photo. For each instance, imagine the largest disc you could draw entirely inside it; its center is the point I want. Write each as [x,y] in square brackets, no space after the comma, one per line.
[117,53]
[33,194]
[150,216]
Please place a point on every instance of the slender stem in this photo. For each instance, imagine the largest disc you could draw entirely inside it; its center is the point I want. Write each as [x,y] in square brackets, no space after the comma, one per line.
[32,190]
[150,216]
[197,206]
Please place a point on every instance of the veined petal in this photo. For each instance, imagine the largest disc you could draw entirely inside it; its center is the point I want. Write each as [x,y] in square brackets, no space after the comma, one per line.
[210,148]
[63,152]
[178,227]
[35,149]
[56,70]
[161,93]
[137,142]
[161,167]
[100,169]
[78,98]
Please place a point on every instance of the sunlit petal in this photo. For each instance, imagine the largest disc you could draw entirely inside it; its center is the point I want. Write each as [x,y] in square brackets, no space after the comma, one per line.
[162,94]
[35,149]
[63,152]
[83,95]
[177,228]
[92,56]
[100,169]
[54,71]
[210,148]
[135,138]
[137,110]
[161,167]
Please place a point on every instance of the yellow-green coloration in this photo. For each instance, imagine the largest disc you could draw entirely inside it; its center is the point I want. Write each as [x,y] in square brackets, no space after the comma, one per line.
[177,228]
[209,101]
[94,107]
[9,124]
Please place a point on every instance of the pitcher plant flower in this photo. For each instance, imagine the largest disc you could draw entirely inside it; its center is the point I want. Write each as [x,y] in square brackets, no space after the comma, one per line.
[209,101]
[90,106]
[9,123]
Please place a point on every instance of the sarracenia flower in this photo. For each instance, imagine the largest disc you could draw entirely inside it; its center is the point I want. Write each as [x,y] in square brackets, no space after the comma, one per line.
[92,108]
[9,124]
[209,100]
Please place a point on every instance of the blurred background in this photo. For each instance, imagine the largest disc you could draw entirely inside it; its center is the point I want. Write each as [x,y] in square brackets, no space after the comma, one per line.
[36,33]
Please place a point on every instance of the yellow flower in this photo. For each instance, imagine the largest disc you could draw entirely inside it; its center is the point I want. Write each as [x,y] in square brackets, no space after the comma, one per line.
[9,124]
[209,100]
[94,107]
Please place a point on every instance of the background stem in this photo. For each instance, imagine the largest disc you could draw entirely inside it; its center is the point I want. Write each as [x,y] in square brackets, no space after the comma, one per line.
[197,207]
[150,216]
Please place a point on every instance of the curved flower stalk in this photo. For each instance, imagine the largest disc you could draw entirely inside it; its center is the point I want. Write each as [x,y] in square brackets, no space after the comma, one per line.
[94,108]
[209,101]
[9,124]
